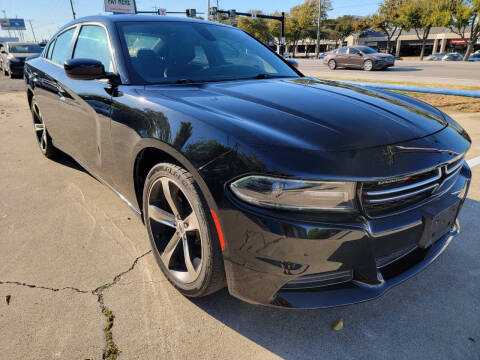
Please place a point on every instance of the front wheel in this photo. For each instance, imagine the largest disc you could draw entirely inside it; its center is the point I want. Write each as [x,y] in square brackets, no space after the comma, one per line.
[181,231]
[332,64]
[368,65]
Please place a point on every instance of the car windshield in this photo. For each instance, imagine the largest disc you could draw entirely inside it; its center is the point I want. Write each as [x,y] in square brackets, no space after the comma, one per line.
[181,52]
[367,50]
[24,48]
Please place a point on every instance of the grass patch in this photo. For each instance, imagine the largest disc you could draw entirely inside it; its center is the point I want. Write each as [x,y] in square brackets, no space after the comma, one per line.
[447,102]
[111,352]
[406,83]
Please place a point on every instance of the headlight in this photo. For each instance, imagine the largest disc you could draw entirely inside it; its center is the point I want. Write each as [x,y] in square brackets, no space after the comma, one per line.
[288,194]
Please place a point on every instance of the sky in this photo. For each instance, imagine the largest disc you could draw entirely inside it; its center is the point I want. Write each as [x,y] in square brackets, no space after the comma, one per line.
[48,15]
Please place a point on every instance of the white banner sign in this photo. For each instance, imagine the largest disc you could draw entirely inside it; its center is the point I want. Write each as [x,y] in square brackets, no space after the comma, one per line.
[120,6]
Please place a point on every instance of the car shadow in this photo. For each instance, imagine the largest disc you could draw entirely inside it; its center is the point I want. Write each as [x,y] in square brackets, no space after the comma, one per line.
[421,316]
[66,160]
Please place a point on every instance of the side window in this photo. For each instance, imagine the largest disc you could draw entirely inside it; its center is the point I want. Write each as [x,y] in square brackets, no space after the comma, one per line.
[50,50]
[92,43]
[342,51]
[62,47]
[353,51]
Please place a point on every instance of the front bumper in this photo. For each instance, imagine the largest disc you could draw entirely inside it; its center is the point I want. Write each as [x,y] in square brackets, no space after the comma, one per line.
[266,252]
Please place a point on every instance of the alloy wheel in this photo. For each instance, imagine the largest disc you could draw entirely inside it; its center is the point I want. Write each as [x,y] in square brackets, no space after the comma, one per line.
[40,129]
[332,64]
[368,65]
[175,230]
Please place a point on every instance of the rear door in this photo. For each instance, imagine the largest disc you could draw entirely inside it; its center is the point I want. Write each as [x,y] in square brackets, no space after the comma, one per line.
[50,92]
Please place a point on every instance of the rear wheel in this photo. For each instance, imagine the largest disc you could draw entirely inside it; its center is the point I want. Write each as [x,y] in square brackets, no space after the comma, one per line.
[368,65]
[181,231]
[332,64]
[41,133]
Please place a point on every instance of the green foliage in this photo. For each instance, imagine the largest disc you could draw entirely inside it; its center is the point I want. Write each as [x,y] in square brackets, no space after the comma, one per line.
[462,17]
[258,27]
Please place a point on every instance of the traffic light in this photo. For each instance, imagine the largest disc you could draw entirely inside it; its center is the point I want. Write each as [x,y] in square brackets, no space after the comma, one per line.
[191,12]
[232,13]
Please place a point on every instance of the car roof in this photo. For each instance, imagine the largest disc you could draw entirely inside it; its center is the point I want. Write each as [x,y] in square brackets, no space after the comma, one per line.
[111,19]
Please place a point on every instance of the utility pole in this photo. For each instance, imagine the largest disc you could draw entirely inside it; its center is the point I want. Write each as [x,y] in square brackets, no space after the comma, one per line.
[317,45]
[208,10]
[33,32]
[73,11]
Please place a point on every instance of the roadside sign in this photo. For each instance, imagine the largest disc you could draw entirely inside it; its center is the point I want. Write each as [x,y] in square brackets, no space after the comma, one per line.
[13,24]
[457,42]
[120,6]
[162,12]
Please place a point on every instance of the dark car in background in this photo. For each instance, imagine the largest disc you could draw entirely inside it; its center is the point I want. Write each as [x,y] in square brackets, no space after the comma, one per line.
[292,191]
[13,55]
[358,57]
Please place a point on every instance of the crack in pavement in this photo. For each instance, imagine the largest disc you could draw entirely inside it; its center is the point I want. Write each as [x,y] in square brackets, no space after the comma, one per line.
[111,351]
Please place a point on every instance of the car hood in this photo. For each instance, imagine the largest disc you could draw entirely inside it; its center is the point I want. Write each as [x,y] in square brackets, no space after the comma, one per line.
[303,112]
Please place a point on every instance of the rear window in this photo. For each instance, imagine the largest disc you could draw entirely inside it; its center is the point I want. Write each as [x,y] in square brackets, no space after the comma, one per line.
[25,48]
[62,47]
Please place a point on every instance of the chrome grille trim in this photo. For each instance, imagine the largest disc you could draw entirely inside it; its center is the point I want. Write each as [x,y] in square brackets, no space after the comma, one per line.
[379,198]
[398,197]
[405,188]
[455,166]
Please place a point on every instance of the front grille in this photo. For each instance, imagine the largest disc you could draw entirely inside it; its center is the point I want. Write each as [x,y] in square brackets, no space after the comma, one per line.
[394,194]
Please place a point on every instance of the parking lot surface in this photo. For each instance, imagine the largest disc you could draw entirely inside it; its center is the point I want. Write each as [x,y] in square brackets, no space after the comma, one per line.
[74,257]
[429,72]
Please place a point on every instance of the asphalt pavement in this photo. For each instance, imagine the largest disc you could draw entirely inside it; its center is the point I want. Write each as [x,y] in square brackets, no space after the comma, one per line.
[429,72]
[75,269]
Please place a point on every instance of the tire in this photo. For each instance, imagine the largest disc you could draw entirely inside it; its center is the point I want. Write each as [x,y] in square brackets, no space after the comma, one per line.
[41,133]
[368,65]
[177,218]
[332,64]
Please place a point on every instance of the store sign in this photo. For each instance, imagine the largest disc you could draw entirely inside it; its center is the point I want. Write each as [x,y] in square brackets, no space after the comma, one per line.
[120,6]
[457,42]
[12,24]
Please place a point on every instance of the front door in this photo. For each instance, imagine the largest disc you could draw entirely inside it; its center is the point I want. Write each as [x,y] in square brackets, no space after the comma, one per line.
[88,103]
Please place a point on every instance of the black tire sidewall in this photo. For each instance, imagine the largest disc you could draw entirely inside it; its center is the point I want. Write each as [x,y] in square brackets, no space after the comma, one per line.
[191,190]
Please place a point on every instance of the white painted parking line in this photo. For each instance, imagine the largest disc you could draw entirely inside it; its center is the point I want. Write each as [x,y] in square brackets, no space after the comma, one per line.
[474,162]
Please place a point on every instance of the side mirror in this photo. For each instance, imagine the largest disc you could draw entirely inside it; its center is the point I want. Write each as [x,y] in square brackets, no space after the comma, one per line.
[292,62]
[84,69]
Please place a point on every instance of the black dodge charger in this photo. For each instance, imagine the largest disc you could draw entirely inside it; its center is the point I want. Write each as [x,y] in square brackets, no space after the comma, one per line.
[291,191]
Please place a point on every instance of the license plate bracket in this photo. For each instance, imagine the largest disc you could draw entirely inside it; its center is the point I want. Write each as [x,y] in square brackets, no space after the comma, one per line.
[439,218]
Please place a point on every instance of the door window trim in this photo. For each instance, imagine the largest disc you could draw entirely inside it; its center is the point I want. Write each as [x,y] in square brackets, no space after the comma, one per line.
[109,43]
[54,43]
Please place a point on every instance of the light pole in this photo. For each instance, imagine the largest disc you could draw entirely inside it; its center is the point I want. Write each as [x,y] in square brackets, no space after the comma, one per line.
[33,32]
[317,45]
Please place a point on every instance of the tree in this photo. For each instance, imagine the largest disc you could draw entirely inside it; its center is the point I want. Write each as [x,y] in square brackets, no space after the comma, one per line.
[323,6]
[258,28]
[464,18]
[343,27]
[388,20]
[301,23]
[421,15]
